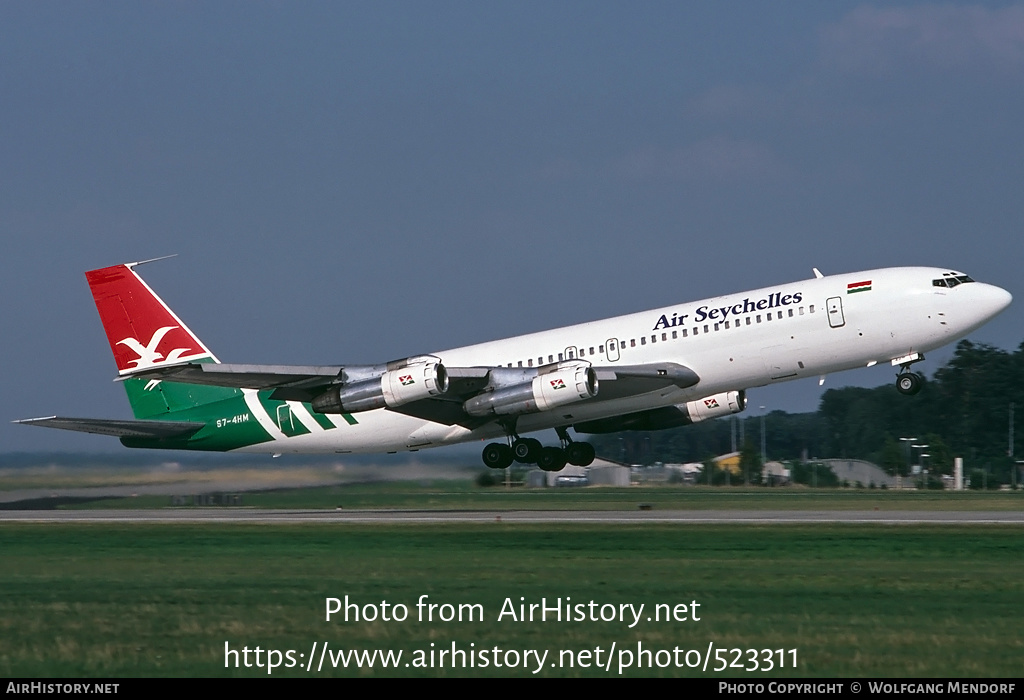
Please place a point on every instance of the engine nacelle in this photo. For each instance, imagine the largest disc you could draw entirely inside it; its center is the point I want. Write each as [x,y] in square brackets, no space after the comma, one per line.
[545,391]
[669,416]
[392,388]
[716,406]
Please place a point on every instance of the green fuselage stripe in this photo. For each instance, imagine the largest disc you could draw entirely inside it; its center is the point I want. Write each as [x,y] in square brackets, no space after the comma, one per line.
[322,420]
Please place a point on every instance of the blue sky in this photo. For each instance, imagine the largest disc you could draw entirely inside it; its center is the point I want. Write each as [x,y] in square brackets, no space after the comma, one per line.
[355,182]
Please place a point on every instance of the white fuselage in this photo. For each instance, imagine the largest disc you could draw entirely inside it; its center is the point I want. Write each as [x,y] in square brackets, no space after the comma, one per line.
[733,342]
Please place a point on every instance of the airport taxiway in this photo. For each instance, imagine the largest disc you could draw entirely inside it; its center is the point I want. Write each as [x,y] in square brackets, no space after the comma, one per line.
[753,517]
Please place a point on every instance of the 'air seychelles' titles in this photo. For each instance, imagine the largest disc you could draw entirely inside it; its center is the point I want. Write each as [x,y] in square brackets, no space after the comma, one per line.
[721,313]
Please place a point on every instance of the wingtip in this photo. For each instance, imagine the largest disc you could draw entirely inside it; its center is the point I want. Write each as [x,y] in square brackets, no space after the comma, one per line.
[29,421]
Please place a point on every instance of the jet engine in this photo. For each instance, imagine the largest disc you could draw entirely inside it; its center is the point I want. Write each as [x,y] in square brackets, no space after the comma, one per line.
[548,389]
[394,387]
[716,406]
[669,416]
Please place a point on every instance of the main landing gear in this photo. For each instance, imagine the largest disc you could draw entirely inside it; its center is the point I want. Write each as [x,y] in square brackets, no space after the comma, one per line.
[531,451]
[907,382]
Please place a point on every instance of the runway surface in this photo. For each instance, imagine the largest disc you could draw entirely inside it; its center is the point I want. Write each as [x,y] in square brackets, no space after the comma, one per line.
[758,517]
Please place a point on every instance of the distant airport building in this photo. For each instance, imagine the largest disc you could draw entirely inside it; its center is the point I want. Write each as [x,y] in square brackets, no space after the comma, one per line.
[730,462]
[775,474]
[600,473]
[859,472]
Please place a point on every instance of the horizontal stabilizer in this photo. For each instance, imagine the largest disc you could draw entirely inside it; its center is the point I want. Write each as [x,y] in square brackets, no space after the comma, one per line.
[246,376]
[119,428]
[290,382]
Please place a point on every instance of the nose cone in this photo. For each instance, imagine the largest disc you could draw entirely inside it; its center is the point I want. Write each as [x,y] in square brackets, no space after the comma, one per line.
[990,300]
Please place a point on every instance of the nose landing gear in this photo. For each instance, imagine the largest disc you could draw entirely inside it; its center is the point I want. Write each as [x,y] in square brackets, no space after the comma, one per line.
[907,382]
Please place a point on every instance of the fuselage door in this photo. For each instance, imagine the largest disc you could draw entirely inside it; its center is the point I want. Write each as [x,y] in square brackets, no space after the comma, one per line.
[612,349]
[570,352]
[835,312]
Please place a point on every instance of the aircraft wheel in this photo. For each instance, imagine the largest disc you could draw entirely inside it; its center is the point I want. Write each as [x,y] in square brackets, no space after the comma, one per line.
[908,383]
[551,459]
[526,450]
[580,454]
[497,456]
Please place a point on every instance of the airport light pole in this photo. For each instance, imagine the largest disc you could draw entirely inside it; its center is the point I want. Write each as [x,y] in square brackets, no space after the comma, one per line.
[906,445]
[1013,470]
[920,456]
[764,452]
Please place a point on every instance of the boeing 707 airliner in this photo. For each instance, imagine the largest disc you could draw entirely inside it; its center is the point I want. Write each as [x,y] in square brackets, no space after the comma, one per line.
[644,371]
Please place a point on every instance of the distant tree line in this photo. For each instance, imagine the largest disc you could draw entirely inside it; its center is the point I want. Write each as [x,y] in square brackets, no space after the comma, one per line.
[962,411]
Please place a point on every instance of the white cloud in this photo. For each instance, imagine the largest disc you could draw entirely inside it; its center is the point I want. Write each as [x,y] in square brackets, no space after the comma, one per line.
[714,158]
[872,39]
[730,101]
[717,158]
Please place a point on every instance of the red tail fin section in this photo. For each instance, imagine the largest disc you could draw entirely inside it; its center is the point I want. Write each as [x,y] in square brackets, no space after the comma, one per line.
[143,332]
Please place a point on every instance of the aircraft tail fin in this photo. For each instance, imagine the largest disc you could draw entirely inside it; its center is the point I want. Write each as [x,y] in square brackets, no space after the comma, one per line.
[142,330]
[144,333]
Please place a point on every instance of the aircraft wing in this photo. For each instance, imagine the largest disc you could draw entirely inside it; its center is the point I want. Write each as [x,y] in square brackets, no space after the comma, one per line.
[119,428]
[615,383]
[304,383]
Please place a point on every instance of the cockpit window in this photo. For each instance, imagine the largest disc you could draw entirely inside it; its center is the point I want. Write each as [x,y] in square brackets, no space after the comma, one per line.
[951,279]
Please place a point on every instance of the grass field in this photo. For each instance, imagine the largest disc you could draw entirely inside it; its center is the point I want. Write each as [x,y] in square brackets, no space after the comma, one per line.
[143,600]
[464,495]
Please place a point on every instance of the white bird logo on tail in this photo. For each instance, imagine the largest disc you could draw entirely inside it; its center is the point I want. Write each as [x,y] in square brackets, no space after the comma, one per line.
[147,353]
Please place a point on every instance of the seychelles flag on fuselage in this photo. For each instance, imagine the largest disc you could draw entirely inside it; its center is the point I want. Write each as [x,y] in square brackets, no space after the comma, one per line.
[864,286]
